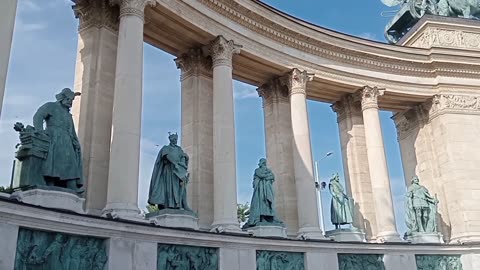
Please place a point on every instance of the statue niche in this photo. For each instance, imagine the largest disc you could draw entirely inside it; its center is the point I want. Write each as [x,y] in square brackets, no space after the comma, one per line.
[49,156]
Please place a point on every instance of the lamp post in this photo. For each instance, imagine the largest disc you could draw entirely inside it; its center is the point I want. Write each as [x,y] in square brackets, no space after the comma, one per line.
[319,193]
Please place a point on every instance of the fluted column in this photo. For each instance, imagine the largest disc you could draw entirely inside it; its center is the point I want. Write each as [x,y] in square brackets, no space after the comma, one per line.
[224,161]
[127,111]
[95,79]
[355,163]
[308,221]
[278,143]
[8,10]
[377,163]
[197,131]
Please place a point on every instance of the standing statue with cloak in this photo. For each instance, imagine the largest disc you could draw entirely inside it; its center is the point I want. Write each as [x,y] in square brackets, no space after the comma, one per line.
[262,208]
[63,164]
[170,177]
[421,209]
[341,209]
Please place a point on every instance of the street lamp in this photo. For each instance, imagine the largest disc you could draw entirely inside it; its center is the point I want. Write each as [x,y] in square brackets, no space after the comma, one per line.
[319,188]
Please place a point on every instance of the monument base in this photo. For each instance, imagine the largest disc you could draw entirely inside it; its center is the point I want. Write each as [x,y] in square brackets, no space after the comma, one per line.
[422,238]
[51,199]
[277,231]
[175,218]
[346,235]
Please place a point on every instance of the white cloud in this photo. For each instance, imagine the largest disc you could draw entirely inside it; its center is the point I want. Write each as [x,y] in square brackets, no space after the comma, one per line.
[29,27]
[28,6]
[244,91]
[368,35]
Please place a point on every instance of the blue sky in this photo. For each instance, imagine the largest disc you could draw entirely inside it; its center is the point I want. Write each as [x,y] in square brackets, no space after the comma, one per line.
[43,62]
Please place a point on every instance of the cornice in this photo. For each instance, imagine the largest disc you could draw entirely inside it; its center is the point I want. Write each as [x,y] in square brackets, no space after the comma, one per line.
[452,104]
[266,27]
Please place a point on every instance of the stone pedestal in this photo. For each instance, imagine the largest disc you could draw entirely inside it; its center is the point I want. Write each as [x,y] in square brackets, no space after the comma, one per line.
[174,218]
[422,238]
[346,235]
[51,199]
[277,231]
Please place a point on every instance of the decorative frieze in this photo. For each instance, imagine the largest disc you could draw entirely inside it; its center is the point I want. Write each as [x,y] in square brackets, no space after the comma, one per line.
[93,13]
[369,96]
[133,7]
[296,81]
[222,50]
[273,92]
[438,262]
[360,261]
[442,37]
[448,103]
[49,250]
[186,257]
[194,63]
[273,260]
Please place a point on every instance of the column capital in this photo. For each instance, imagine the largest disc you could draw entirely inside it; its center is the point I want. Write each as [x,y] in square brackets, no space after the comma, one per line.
[369,96]
[222,50]
[273,92]
[193,63]
[92,13]
[345,106]
[296,81]
[133,7]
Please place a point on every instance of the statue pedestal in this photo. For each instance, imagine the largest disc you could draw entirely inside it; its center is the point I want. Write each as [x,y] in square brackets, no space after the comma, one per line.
[346,235]
[175,218]
[422,238]
[277,231]
[51,199]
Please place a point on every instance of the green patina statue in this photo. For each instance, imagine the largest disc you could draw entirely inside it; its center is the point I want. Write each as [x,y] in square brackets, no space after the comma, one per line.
[421,209]
[412,10]
[170,177]
[38,250]
[51,155]
[180,257]
[341,209]
[273,260]
[262,207]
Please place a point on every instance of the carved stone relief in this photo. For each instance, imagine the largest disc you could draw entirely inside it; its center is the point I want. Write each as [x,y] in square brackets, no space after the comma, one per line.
[186,257]
[438,262]
[360,262]
[273,260]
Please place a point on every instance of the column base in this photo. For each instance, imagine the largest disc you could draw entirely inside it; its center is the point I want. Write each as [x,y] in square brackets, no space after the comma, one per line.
[389,237]
[227,227]
[123,211]
[313,233]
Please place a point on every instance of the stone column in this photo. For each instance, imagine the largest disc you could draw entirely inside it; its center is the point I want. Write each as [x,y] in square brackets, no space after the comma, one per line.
[197,131]
[278,142]
[308,221]
[355,164]
[224,163]
[8,10]
[123,171]
[377,163]
[95,79]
